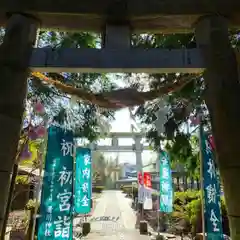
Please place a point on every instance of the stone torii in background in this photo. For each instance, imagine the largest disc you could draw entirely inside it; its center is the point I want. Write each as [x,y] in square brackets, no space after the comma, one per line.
[116,20]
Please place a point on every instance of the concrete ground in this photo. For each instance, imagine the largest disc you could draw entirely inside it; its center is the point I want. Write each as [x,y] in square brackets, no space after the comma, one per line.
[113,218]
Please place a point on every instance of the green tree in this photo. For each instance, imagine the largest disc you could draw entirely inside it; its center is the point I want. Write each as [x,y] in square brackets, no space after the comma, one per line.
[71,112]
[221,112]
[186,154]
[103,167]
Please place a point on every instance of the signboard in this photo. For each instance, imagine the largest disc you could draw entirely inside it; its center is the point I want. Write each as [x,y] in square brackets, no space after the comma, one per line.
[147,179]
[57,192]
[212,191]
[83,181]
[129,170]
[166,189]
[144,193]
[140,178]
[131,174]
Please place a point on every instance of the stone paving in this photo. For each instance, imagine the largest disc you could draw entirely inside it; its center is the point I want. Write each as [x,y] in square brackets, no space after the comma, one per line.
[113,218]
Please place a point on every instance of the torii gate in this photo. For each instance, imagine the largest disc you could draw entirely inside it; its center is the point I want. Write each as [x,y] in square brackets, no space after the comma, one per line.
[137,147]
[116,19]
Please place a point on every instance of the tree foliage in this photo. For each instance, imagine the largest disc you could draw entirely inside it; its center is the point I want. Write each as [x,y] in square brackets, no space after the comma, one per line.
[84,119]
[182,105]
[102,168]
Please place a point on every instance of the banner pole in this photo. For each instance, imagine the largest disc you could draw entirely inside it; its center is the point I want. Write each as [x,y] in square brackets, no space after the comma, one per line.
[73,183]
[158,216]
[201,175]
[159,189]
[40,180]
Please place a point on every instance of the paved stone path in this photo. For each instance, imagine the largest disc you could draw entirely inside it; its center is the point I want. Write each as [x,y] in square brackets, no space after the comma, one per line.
[113,218]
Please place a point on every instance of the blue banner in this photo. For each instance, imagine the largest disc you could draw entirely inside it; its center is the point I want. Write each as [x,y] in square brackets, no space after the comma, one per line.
[57,192]
[212,192]
[83,181]
[166,188]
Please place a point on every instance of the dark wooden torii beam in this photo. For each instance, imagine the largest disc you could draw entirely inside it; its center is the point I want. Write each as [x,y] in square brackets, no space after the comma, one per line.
[143,16]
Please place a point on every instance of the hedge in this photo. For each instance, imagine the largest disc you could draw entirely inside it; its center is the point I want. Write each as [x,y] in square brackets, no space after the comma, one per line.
[187,209]
[97,189]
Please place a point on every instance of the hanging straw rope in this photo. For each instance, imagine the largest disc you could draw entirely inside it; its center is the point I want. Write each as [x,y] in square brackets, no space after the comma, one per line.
[115,99]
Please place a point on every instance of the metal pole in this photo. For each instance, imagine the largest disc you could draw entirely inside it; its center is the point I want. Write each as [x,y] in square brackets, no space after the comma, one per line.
[158,211]
[132,192]
[201,175]
[158,215]
[40,180]
[163,218]
[73,184]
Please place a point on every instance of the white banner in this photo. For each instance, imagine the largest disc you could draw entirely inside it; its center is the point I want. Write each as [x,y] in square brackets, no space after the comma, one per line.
[147,204]
[145,196]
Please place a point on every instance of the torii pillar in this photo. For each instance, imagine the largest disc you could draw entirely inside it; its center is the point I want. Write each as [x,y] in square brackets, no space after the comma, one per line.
[138,148]
[223,98]
[15,54]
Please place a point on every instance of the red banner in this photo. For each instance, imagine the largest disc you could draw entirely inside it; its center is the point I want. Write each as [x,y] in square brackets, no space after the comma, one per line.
[211,141]
[140,178]
[147,179]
